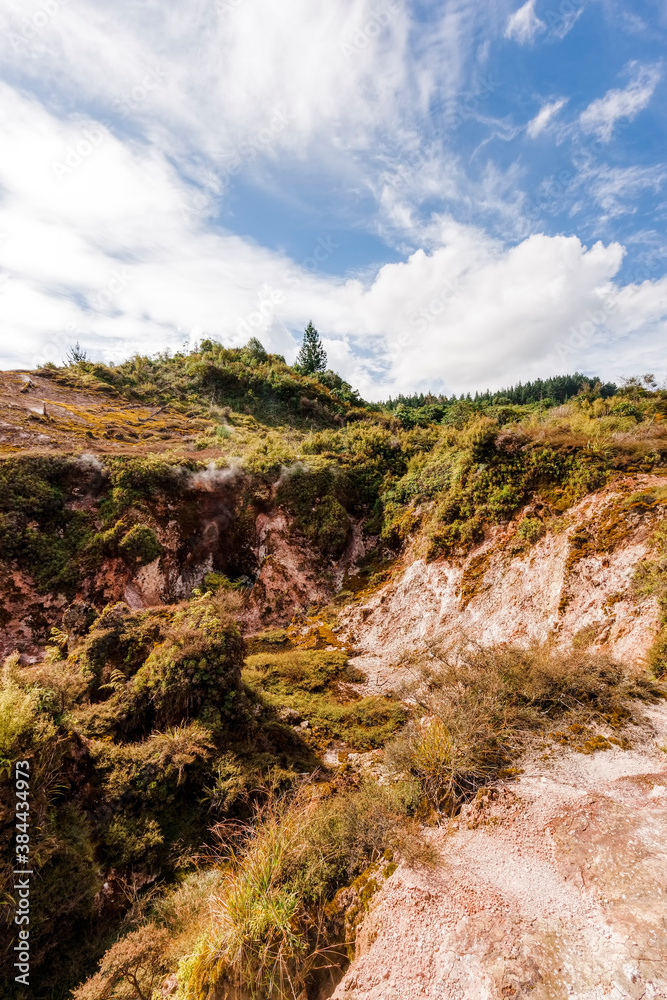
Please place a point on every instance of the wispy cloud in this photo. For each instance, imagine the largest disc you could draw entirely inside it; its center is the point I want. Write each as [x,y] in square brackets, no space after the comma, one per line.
[615,188]
[544,116]
[524,24]
[130,141]
[601,115]
[562,23]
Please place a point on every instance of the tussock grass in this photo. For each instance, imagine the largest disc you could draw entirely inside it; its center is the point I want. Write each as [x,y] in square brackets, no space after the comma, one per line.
[483,706]
[275,925]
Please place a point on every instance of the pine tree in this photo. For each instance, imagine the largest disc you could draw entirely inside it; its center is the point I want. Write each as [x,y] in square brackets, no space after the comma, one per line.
[76,354]
[312,357]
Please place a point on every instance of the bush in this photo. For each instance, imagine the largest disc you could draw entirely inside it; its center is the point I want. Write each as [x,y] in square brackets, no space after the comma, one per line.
[310,497]
[531,529]
[24,731]
[482,706]
[37,528]
[131,969]
[650,580]
[120,639]
[160,666]
[18,710]
[333,527]
[139,546]
[189,670]
[213,582]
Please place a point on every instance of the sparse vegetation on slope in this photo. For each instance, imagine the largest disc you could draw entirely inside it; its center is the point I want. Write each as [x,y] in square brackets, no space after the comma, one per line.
[482,707]
[168,751]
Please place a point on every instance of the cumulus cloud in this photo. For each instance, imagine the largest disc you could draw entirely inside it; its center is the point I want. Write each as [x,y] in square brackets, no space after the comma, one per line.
[601,115]
[112,254]
[524,24]
[109,219]
[544,116]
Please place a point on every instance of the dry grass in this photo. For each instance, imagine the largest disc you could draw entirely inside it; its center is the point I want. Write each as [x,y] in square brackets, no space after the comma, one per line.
[482,706]
[277,923]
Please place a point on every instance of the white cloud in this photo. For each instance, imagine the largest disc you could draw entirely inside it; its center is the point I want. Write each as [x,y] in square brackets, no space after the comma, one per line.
[563,23]
[601,115]
[524,24]
[544,116]
[111,255]
[231,89]
[614,187]
[220,74]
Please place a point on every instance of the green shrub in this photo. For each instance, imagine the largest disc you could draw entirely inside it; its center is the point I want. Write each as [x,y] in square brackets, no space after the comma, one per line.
[333,527]
[186,672]
[650,580]
[139,546]
[213,582]
[120,639]
[531,529]
[37,528]
[198,664]
[131,840]
[18,711]
[319,514]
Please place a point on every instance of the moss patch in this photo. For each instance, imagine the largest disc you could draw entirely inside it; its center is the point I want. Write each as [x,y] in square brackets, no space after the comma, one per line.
[317,686]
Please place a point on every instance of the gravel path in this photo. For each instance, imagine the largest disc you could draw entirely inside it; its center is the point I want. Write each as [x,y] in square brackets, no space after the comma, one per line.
[554,887]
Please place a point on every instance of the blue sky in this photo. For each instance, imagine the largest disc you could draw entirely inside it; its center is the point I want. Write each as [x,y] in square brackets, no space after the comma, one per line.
[459,195]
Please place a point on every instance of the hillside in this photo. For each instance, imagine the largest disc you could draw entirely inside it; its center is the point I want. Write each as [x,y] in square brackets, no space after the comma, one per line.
[281,660]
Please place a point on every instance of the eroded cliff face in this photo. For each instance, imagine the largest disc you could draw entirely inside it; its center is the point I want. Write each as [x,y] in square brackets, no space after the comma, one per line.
[217,521]
[574,584]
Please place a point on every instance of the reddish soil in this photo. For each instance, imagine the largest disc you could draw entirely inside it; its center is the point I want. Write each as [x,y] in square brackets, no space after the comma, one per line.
[553,886]
[40,415]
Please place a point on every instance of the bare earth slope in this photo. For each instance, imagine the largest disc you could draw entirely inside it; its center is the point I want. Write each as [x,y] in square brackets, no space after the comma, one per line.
[577,577]
[555,886]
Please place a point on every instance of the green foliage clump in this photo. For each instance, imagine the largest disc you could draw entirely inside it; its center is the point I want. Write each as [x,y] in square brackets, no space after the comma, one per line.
[650,580]
[37,527]
[135,480]
[531,529]
[213,582]
[255,350]
[139,546]
[162,666]
[22,725]
[120,640]
[319,514]
[189,669]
